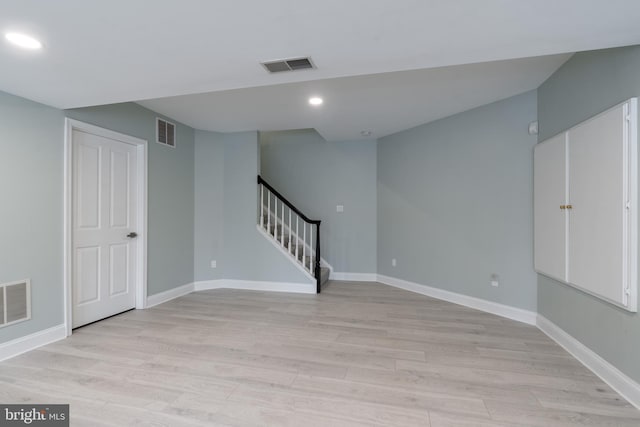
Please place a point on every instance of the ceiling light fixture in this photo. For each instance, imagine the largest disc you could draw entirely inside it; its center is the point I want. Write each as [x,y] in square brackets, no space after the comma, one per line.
[24,41]
[366,133]
[315,101]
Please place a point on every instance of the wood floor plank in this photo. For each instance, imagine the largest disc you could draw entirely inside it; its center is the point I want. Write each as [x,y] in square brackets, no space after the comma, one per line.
[346,408]
[434,383]
[377,394]
[522,414]
[359,354]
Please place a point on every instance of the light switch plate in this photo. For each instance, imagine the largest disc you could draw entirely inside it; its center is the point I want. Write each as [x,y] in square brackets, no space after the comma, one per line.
[340,208]
[214,264]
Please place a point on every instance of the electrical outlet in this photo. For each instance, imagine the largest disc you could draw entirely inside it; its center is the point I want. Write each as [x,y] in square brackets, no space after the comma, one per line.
[393,262]
[214,264]
[495,280]
[339,208]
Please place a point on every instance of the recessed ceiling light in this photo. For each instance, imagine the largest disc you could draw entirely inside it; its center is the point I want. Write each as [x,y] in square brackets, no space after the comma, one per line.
[23,41]
[315,100]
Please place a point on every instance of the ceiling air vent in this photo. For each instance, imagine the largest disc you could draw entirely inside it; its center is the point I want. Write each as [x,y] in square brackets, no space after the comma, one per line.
[288,65]
[165,132]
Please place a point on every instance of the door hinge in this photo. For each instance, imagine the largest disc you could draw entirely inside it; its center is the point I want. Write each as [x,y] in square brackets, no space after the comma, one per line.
[627,205]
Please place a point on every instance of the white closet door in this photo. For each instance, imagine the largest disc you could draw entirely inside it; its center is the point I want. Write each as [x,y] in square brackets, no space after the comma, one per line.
[104,225]
[550,192]
[598,194]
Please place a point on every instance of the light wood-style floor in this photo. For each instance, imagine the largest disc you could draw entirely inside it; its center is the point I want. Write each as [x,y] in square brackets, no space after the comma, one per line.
[358,354]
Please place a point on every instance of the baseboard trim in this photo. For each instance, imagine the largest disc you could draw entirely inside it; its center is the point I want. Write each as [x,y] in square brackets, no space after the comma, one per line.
[30,342]
[513,313]
[353,277]
[252,285]
[169,295]
[625,386]
[205,285]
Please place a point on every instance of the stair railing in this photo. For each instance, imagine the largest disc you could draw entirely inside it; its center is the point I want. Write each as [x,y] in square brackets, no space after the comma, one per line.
[278,215]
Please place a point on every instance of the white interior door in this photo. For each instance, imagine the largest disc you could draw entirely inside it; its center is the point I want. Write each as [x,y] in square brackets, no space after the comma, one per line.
[104,227]
[550,216]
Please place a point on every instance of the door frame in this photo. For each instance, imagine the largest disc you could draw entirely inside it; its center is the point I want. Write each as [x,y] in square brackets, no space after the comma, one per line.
[141,253]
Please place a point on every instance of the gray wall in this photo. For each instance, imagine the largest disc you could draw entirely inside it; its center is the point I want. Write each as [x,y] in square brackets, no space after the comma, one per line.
[455,203]
[209,205]
[31,184]
[227,192]
[317,175]
[588,84]
[171,191]
[31,162]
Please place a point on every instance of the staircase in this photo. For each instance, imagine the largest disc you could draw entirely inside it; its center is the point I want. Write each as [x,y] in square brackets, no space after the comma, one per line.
[298,235]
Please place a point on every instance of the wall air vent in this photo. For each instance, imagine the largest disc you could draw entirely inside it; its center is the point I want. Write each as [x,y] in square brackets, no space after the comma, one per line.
[165,132]
[15,302]
[293,64]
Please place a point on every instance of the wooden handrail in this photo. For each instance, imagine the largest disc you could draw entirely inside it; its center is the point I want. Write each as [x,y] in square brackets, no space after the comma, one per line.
[288,203]
[316,222]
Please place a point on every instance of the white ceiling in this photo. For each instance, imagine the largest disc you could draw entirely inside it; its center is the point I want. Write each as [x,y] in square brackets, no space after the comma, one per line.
[381,103]
[129,50]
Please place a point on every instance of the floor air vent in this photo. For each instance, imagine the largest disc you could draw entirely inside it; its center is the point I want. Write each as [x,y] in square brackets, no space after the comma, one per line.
[15,302]
[293,64]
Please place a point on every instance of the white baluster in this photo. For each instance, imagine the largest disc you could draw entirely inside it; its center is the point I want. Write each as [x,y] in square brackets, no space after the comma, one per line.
[268,211]
[304,240]
[282,226]
[297,237]
[290,231]
[275,217]
[261,206]
[311,248]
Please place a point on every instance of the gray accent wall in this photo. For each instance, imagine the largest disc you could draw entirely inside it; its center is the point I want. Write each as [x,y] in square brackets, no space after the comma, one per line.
[209,205]
[31,171]
[455,203]
[587,84]
[31,185]
[222,171]
[227,193]
[170,190]
[316,176]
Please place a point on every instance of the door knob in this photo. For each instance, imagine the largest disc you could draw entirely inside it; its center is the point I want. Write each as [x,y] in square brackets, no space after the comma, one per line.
[132,235]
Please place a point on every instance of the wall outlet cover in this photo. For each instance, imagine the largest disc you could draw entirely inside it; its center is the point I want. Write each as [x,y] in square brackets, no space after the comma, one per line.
[214,264]
[340,208]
